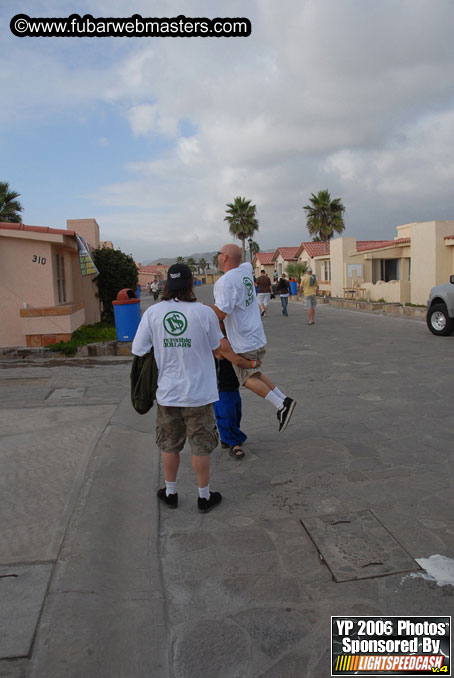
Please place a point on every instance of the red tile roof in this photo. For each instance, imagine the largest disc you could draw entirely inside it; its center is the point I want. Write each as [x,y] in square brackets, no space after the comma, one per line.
[287,253]
[363,245]
[315,249]
[265,257]
[449,237]
[153,269]
[35,229]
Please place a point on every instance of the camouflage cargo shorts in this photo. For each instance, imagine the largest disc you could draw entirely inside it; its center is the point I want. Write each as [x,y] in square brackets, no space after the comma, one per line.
[197,424]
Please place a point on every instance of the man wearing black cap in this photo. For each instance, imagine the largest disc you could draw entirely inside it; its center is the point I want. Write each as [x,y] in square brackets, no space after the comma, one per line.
[184,334]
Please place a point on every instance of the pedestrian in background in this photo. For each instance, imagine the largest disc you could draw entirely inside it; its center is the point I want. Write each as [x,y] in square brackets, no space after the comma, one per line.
[283,288]
[155,289]
[309,287]
[263,292]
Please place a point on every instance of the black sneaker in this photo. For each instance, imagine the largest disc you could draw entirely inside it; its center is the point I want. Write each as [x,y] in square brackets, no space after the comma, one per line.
[284,414]
[171,501]
[206,505]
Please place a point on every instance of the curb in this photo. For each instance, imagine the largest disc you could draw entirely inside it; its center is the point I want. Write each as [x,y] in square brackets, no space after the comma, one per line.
[378,307]
[114,348]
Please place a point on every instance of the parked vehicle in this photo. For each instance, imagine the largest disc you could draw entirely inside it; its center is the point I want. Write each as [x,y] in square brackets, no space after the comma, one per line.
[440,309]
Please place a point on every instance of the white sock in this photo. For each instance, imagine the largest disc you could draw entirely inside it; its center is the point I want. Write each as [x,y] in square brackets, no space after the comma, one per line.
[276,400]
[204,492]
[171,488]
[279,393]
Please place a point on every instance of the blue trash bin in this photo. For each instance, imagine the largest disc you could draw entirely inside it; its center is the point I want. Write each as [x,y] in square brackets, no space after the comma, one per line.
[127,314]
[293,288]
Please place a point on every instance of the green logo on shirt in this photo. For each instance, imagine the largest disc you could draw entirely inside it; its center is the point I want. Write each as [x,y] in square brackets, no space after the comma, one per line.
[175,323]
[247,282]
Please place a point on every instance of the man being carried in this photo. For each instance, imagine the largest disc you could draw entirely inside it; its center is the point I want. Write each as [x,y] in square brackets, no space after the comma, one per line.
[236,305]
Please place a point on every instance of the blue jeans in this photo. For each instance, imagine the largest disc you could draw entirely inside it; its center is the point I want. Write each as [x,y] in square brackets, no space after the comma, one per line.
[227,411]
[284,302]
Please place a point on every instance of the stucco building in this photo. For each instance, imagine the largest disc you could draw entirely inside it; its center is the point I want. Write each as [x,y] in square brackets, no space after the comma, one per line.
[263,261]
[282,257]
[44,296]
[401,270]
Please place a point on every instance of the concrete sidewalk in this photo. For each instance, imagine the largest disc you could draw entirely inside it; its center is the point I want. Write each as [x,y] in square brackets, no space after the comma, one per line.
[98,580]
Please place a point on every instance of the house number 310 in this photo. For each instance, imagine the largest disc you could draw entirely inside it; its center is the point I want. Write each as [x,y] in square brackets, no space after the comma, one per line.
[38,260]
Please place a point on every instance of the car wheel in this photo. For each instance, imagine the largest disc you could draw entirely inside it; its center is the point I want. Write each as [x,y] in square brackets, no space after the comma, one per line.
[438,320]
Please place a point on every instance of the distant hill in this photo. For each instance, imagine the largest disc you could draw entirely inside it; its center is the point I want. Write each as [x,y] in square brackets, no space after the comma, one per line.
[208,256]
[166,261]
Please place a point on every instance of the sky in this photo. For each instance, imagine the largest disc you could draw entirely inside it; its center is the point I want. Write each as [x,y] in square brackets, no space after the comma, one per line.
[154,136]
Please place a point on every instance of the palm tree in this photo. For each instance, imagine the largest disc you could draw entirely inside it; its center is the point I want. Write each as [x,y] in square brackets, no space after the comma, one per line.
[191,263]
[296,269]
[215,260]
[242,220]
[324,217]
[203,264]
[255,247]
[180,260]
[10,208]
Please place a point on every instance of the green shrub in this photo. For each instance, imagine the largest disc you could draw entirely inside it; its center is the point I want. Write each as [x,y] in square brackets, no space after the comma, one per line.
[87,334]
[296,270]
[117,271]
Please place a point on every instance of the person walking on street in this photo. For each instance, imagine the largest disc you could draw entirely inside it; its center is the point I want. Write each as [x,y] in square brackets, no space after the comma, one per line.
[185,335]
[155,289]
[283,287]
[263,292]
[236,305]
[309,286]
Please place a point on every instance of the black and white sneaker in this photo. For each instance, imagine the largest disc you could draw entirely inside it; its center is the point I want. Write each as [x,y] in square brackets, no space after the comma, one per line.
[171,500]
[284,414]
[206,505]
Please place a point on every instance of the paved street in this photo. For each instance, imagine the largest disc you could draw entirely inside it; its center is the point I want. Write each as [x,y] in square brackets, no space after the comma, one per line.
[98,581]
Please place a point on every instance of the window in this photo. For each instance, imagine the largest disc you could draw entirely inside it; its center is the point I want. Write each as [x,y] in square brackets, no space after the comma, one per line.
[385,269]
[61,286]
[326,270]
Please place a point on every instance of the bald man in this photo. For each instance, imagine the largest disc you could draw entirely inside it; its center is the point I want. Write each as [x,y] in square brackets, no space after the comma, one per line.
[236,305]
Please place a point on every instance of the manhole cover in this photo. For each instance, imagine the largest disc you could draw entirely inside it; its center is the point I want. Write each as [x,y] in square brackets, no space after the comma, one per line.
[357,546]
[62,393]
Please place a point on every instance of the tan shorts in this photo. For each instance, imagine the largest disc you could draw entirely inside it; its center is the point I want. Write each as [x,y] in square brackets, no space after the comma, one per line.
[242,373]
[197,424]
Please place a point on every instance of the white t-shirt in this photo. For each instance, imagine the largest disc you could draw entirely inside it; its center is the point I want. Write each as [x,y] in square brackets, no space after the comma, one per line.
[234,294]
[183,335]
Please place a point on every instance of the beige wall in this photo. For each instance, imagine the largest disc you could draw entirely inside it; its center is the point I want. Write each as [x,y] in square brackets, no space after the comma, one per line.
[339,252]
[57,324]
[87,228]
[268,268]
[431,263]
[28,281]
[24,279]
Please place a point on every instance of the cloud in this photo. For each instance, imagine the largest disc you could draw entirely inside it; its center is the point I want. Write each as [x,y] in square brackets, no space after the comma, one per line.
[417,165]
[351,96]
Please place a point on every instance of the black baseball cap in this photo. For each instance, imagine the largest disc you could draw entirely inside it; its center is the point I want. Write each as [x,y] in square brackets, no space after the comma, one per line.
[177,276]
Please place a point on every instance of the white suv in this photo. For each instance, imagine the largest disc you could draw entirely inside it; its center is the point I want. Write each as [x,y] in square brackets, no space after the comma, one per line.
[440,309]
